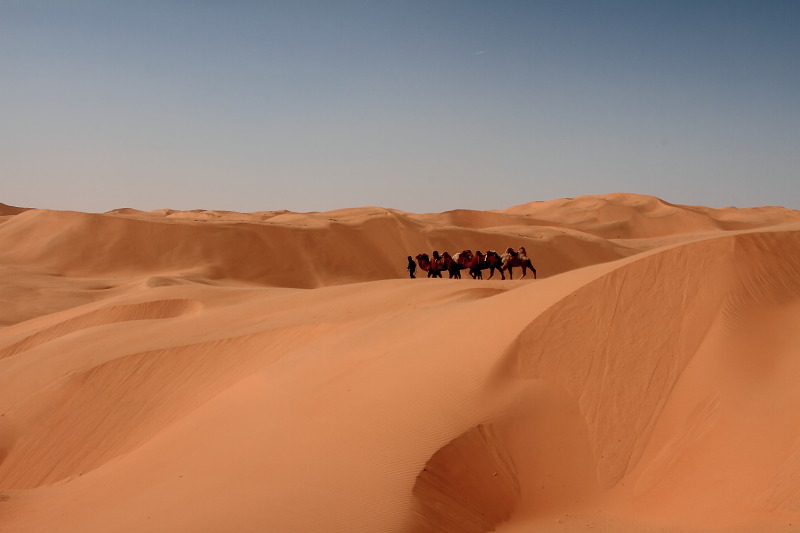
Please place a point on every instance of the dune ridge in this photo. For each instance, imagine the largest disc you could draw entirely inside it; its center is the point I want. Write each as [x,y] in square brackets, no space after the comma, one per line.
[277,371]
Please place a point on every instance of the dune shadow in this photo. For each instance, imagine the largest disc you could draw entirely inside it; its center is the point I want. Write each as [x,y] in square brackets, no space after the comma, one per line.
[470,485]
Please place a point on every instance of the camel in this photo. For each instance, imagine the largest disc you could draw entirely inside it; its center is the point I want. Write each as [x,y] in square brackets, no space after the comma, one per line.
[451,265]
[480,262]
[464,259]
[512,259]
[494,262]
[433,268]
[439,263]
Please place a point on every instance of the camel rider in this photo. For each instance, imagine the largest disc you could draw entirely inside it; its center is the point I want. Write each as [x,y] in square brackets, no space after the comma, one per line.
[523,255]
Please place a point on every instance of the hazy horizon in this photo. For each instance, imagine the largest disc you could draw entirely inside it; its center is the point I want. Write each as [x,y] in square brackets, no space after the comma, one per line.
[418,106]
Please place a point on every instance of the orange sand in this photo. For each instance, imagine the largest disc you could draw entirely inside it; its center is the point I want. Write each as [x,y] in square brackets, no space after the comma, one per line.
[205,371]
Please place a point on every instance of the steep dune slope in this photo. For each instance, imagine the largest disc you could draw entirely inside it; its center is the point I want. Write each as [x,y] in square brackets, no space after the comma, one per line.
[676,362]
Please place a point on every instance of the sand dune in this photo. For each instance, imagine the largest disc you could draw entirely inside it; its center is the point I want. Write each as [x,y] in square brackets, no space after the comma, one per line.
[212,371]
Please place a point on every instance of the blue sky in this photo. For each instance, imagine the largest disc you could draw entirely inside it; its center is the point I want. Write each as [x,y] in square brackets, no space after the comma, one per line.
[416,105]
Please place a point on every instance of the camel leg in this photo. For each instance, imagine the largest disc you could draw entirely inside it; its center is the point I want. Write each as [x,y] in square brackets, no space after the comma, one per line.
[530,265]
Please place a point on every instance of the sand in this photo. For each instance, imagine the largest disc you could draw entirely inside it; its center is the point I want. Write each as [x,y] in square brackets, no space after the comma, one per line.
[210,371]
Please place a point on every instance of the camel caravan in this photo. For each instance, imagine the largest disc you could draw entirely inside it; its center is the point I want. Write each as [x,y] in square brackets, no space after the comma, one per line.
[473,263]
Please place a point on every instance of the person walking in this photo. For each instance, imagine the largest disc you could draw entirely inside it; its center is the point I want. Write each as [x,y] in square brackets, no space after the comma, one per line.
[412,267]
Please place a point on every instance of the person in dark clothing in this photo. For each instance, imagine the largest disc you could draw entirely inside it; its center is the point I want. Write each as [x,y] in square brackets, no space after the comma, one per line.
[412,267]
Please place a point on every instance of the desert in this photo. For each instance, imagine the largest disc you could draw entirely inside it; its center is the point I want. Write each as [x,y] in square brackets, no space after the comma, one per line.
[214,371]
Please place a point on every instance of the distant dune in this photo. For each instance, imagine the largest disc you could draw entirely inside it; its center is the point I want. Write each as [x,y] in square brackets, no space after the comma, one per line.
[213,371]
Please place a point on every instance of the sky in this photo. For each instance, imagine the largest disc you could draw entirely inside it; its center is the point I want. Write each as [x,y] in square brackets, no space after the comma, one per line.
[418,105]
